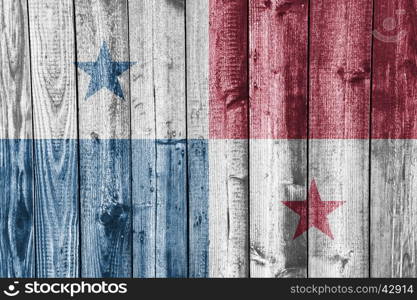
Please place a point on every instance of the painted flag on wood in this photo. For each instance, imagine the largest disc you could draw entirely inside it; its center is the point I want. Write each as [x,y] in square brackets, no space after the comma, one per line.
[207,138]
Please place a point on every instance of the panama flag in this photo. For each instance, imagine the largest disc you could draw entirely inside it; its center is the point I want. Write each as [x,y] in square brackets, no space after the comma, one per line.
[208,138]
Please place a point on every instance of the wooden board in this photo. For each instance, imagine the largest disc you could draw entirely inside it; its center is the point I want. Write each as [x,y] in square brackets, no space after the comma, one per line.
[105,149]
[278,146]
[15,86]
[55,131]
[171,149]
[143,138]
[393,163]
[197,57]
[239,121]
[228,144]
[16,180]
[338,135]
[157,41]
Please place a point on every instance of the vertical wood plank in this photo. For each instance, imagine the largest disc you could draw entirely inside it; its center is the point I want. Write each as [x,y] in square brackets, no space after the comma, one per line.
[278,146]
[197,22]
[171,162]
[228,132]
[339,135]
[105,149]
[157,41]
[16,174]
[143,138]
[55,133]
[15,94]
[393,156]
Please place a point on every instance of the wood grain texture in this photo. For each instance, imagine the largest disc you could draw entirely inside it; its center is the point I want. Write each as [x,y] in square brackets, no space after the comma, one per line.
[106,210]
[171,234]
[278,69]
[393,208]
[157,39]
[144,207]
[393,162]
[15,94]
[198,197]
[278,172]
[228,208]
[278,150]
[16,209]
[16,175]
[339,110]
[171,162]
[228,61]
[197,32]
[55,123]
[105,150]
[228,145]
[197,22]
[143,138]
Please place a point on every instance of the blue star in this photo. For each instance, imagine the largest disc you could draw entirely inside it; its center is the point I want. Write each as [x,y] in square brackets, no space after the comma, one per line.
[104,72]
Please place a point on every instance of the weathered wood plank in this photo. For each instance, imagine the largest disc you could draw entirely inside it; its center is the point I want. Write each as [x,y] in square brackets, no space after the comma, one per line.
[16,209]
[105,149]
[197,22]
[171,234]
[157,41]
[228,145]
[198,195]
[143,138]
[339,131]
[16,175]
[171,162]
[15,94]
[278,146]
[393,162]
[106,211]
[55,131]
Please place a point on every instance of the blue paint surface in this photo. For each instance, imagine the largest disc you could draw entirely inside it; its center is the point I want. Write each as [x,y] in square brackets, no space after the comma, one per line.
[171,211]
[161,186]
[144,207]
[162,232]
[106,209]
[56,208]
[16,213]
[198,174]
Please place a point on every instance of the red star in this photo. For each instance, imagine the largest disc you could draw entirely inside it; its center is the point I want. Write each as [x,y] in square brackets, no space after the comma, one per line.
[318,211]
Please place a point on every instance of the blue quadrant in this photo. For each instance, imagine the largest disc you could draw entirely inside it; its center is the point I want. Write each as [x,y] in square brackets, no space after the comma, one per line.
[105,208]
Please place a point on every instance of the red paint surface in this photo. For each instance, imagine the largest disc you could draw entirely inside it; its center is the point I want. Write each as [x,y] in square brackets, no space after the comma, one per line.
[340,64]
[394,101]
[228,40]
[317,212]
[278,69]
